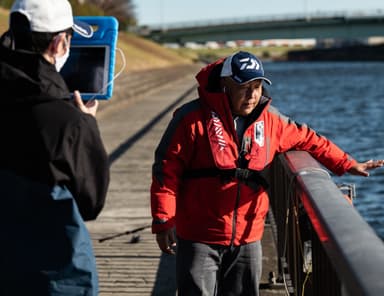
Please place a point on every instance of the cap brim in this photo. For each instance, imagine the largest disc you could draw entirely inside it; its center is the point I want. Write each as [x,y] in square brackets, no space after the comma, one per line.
[82,28]
[261,78]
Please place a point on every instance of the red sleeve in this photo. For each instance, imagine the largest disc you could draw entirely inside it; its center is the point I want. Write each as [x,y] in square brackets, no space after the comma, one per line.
[293,136]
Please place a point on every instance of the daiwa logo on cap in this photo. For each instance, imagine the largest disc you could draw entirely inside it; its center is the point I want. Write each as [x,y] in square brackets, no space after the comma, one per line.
[249,63]
[243,67]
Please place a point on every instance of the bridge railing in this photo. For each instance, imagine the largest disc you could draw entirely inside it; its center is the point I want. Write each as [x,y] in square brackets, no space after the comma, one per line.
[324,245]
[268,18]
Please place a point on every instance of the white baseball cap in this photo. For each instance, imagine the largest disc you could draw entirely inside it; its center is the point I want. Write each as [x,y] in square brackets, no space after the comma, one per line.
[51,16]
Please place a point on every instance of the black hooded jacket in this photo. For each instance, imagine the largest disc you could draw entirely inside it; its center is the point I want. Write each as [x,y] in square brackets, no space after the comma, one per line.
[44,137]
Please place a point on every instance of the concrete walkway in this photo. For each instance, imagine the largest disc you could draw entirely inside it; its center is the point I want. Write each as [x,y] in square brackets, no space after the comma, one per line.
[128,259]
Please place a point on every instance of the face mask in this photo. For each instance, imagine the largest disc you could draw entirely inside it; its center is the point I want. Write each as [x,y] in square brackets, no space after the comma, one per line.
[60,61]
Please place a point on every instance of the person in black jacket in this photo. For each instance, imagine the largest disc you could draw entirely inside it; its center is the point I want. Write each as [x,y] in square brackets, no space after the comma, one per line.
[54,170]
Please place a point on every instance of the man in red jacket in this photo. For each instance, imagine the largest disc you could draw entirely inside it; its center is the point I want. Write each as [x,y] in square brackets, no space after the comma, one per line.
[208,169]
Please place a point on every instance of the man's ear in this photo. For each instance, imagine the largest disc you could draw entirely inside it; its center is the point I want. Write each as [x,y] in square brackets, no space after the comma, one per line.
[56,45]
[53,48]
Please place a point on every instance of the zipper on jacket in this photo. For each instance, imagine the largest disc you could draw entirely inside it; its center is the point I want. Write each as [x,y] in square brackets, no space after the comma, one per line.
[234,219]
[243,149]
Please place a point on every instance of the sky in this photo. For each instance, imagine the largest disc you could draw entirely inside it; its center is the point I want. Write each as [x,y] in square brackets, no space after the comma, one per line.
[162,12]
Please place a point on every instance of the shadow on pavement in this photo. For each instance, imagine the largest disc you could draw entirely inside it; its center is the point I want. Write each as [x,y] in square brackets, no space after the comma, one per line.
[114,155]
[165,284]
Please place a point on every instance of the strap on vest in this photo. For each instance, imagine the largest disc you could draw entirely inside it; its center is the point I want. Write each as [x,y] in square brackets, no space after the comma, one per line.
[249,177]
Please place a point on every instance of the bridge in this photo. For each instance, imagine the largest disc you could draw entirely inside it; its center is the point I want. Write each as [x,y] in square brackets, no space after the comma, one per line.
[344,25]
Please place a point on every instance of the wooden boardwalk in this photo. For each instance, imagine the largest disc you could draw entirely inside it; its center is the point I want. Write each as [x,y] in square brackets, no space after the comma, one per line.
[131,126]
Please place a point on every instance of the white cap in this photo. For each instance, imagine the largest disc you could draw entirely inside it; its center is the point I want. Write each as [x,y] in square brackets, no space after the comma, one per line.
[51,16]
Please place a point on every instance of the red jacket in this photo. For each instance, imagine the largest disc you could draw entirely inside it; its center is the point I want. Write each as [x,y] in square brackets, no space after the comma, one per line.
[201,135]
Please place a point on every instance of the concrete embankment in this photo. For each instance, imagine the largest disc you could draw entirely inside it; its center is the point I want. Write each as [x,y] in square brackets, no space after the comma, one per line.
[348,53]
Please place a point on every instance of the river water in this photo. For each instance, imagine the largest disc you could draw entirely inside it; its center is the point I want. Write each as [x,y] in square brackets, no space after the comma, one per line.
[343,101]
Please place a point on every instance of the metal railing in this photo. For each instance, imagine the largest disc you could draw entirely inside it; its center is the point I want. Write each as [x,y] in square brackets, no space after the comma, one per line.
[267,18]
[324,245]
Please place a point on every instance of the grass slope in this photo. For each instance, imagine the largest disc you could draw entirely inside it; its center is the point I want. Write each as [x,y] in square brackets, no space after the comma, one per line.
[140,54]
[3,20]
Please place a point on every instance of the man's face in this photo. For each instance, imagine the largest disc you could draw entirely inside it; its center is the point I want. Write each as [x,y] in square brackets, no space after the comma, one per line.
[243,97]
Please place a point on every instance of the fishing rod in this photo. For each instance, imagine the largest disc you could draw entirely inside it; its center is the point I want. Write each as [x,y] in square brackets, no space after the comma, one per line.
[124,233]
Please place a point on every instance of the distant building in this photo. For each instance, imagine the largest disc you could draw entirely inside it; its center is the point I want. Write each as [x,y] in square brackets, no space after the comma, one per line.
[231,44]
[307,42]
[193,45]
[172,45]
[375,40]
[212,45]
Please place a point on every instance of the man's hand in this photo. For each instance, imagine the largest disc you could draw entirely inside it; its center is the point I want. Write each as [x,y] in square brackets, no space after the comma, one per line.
[90,107]
[362,168]
[167,241]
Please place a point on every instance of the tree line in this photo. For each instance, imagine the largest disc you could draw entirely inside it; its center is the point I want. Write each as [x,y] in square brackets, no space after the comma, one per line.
[123,10]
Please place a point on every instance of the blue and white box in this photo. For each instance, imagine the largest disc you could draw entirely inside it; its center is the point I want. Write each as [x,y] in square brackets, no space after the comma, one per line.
[91,64]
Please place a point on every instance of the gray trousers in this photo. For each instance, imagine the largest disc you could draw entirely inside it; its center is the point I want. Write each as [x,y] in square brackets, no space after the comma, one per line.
[213,270]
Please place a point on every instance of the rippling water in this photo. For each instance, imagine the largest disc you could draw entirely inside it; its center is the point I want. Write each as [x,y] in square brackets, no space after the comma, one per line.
[344,102]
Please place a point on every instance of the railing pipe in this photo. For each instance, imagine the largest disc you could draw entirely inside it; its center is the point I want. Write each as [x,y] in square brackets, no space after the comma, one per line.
[356,252]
